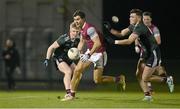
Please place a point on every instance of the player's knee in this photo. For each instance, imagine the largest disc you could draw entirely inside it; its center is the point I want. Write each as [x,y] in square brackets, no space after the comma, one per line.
[98,80]
[78,69]
[77,73]
[161,70]
[145,79]
[138,74]
[68,72]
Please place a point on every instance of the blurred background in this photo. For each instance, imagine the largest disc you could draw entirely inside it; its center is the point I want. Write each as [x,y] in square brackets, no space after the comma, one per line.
[35,24]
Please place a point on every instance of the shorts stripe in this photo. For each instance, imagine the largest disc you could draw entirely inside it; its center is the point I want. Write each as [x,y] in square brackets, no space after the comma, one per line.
[155,59]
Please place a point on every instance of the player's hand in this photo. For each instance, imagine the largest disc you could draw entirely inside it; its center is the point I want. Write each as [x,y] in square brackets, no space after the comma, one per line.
[137,49]
[46,62]
[84,57]
[107,25]
[109,39]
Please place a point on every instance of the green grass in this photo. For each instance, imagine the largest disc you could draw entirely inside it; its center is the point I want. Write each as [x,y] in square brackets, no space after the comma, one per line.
[90,99]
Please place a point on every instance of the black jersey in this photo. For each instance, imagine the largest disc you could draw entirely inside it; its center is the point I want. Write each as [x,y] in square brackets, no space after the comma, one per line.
[65,43]
[146,38]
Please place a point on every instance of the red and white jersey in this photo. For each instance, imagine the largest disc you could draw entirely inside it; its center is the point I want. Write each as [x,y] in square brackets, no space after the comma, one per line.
[88,32]
[155,31]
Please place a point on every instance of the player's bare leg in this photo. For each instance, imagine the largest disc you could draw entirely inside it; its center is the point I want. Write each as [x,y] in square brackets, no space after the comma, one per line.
[99,78]
[80,68]
[160,75]
[66,69]
[155,78]
[73,67]
[147,73]
[139,72]
[160,70]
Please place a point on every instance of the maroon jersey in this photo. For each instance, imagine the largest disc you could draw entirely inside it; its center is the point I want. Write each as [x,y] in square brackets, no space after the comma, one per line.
[86,33]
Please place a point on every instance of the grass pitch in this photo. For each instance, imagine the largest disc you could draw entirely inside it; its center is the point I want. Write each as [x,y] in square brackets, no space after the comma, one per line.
[88,99]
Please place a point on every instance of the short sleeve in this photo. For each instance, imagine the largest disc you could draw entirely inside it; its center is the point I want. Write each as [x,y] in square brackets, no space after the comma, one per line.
[131,28]
[61,40]
[91,32]
[156,32]
[137,30]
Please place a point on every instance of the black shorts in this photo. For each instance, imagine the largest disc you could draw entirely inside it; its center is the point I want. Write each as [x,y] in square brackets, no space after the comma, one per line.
[62,59]
[154,58]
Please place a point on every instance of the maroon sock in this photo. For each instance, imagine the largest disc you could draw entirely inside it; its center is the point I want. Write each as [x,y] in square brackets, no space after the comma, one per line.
[150,89]
[73,94]
[68,91]
[164,79]
[147,94]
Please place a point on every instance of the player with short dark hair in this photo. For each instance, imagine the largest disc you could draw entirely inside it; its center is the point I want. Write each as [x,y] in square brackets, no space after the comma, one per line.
[59,50]
[152,57]
[95,54]
[160,70]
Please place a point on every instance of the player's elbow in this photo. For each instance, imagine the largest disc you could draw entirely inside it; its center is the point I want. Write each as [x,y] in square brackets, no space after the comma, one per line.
[98,44]
[51,48]
[129,42]
[159,42]
[97,80]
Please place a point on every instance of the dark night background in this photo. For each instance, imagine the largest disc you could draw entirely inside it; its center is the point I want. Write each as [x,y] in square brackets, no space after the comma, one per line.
[165,15]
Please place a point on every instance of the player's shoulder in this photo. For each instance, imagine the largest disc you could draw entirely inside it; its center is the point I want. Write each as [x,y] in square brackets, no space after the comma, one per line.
[131,27]
[140,25]
[64,37]
[88,26]
[154,27]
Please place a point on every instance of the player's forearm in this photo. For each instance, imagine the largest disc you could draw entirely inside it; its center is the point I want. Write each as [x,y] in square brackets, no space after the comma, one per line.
[123,42]
[80,46]
[49,52]
[121,33]
[158,40]
[95,47]
[116,33]
[136,42]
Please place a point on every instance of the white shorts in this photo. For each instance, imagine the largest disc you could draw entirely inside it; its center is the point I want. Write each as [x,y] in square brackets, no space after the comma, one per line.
[99,59]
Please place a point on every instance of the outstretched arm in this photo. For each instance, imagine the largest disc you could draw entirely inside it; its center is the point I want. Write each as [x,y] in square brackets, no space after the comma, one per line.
[121,33]
[128,41]
[117,33]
